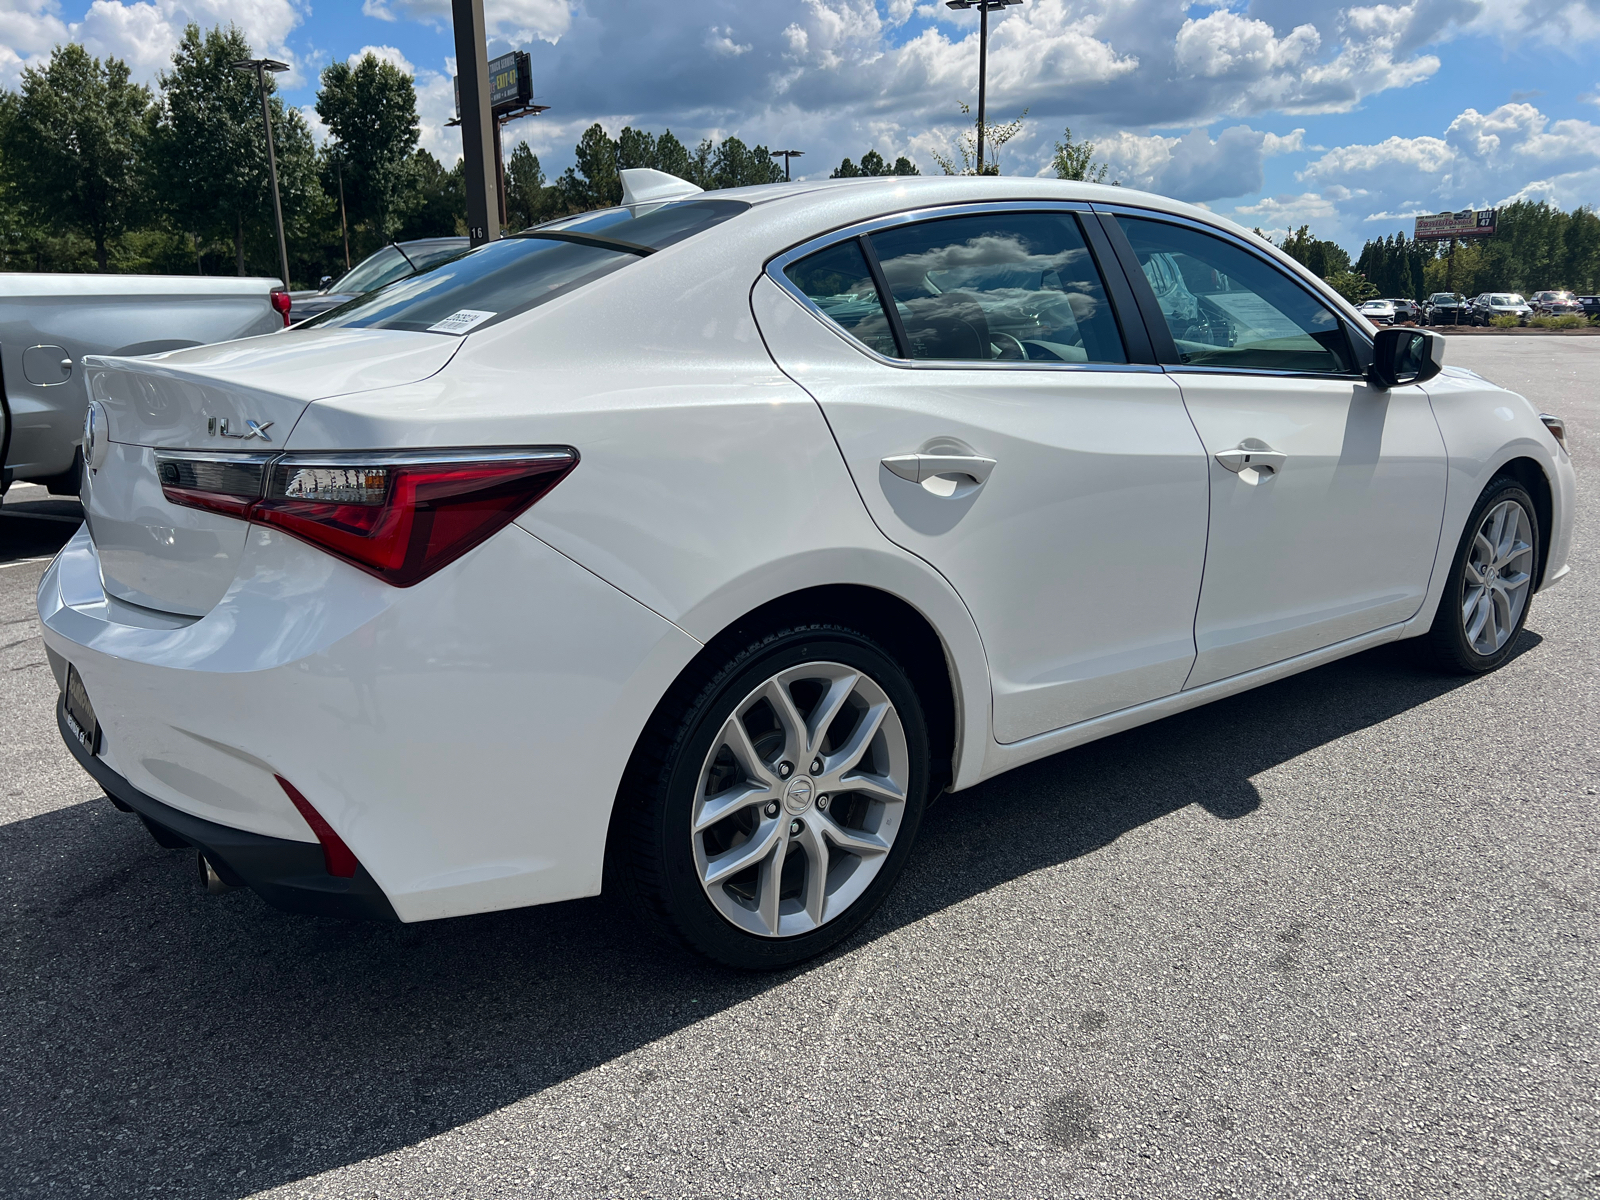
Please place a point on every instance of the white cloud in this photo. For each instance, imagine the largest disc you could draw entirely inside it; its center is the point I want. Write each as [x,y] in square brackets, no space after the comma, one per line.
[143,33]
[1514,152]
[720,42]
[1194,167]
[386,54]
[515,21]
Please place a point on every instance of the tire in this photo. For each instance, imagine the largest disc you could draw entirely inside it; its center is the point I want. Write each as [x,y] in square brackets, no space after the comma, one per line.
[745,889]
[1477,626]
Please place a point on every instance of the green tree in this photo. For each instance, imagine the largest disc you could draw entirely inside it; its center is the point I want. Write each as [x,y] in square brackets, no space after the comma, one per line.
[736,165]
[207,166]
[995,136]
[1353,286]
[436,199]
[71,144]
[872,163]
[1326,259]
[371,109]
[526,202]
[1075,160]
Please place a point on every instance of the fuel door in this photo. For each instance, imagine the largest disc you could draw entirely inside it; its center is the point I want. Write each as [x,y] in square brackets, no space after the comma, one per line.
[46,365]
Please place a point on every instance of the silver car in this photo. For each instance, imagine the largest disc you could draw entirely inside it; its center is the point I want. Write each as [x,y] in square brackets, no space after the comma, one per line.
[49,322]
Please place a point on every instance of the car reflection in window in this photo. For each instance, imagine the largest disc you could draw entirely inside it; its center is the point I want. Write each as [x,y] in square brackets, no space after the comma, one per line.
[1009,287]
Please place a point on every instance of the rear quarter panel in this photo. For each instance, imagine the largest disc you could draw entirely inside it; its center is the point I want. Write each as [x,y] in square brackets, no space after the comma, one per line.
[709,484]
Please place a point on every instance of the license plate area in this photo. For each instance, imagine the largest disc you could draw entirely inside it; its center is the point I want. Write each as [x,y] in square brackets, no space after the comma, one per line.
[80,713]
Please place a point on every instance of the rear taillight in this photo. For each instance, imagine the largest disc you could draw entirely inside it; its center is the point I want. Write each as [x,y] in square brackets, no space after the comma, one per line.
[400,517]
[282,302]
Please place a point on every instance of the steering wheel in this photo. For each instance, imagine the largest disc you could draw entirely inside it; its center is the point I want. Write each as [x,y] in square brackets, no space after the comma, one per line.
[1007,353]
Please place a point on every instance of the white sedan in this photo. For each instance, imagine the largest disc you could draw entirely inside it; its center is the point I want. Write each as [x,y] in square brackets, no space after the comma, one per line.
[695,545]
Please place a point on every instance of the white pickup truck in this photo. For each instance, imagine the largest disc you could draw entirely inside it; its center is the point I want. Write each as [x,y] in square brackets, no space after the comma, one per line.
[49,322]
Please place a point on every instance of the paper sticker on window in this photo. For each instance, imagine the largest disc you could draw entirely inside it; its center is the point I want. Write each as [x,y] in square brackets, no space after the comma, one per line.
[461,321]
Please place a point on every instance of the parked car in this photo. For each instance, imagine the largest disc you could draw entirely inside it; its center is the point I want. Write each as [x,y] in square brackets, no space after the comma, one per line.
[1556,304]
[49,322]
[1379,312]
[1489,305]
[397,260]
[694,545]
[1447,308]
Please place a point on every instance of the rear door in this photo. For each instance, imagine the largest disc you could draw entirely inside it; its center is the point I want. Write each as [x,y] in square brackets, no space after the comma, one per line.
[999,424]
[1327,495]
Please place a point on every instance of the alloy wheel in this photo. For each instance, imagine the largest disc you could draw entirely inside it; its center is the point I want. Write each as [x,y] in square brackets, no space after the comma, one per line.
[1497,575]
[800,798]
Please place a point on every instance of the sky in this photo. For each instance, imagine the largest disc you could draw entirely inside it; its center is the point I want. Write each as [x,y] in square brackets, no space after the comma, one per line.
[1277,113]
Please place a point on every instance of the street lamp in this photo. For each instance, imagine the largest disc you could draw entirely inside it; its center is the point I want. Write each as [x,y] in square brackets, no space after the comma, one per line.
[261,66]
[984,7]
[786,155]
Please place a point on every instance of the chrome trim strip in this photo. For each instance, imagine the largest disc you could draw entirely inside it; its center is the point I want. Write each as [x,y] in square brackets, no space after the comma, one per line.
[777,264]
[1187,369]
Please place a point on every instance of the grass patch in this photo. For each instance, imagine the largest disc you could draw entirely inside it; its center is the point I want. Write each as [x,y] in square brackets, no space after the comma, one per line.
[1504,322]
[1569,321]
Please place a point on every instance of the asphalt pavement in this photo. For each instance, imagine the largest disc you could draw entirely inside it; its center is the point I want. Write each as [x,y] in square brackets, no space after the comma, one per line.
[1332,938]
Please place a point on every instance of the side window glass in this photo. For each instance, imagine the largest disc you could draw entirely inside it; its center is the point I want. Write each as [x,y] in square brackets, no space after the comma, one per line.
[838,281]
[1018,287]
[1228,308]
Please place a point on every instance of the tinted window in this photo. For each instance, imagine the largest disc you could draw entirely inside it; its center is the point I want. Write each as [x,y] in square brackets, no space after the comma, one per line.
[383,267]
[1005,286]
[839,282]
[514,274]
[1228,308]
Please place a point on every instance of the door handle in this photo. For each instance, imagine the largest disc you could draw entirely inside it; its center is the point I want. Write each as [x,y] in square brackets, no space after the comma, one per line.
[917,467]
[1253,454]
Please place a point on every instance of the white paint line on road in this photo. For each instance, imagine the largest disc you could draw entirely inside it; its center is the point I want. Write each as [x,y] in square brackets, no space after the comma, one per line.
[22,562]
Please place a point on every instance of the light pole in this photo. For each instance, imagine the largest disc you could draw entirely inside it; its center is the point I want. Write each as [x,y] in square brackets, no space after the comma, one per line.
[261,66]
[984,7]
[786,155]
[477,128]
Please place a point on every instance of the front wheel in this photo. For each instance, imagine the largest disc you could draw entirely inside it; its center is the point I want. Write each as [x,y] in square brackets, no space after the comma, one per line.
[769,814]
[1486,594]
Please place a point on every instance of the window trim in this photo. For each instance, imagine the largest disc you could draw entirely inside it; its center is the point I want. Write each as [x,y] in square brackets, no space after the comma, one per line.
[1161,335]
[859,231]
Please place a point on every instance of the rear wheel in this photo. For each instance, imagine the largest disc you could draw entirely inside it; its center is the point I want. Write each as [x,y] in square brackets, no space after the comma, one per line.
[1485,601]
[769,815]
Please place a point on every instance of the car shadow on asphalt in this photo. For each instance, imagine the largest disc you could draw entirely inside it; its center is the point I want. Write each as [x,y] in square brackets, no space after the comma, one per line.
[160,1039]
[36,525]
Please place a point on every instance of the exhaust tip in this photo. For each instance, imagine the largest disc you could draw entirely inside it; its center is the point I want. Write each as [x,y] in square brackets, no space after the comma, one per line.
[209,879]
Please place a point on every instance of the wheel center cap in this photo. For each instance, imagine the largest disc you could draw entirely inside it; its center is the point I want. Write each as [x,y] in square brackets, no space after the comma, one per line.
[800,793]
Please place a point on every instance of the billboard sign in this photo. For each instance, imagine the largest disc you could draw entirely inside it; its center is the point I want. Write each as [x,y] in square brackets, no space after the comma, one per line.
[510,83]
[1464,224]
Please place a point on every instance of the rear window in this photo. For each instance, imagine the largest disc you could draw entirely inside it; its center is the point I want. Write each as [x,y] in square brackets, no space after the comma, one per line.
[512,275]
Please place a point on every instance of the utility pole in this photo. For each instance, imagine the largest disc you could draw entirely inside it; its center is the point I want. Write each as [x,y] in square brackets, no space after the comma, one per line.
[984,7]
[261,66]
[344,225]
[786,155]
[477,129]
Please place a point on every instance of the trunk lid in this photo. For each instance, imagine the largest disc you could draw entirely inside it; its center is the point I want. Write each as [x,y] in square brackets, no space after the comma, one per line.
[239,397]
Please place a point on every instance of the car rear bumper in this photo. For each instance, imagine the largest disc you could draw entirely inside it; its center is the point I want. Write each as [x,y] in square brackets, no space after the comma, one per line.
[464,737]
[290,875]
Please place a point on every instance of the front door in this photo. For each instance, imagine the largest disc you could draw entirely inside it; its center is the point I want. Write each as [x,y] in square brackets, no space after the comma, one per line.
[995,428]
[1327,494]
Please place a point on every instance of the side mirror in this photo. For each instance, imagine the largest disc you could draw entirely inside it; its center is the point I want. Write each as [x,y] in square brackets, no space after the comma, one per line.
[1402,356]
[324,283]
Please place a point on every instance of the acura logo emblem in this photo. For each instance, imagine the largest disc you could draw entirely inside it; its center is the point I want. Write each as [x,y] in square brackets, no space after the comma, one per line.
[218,427]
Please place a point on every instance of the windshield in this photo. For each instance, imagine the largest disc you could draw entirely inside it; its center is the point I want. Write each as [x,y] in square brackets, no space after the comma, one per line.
[509,276]
[383,267]
[1443,298]
[1503,299]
